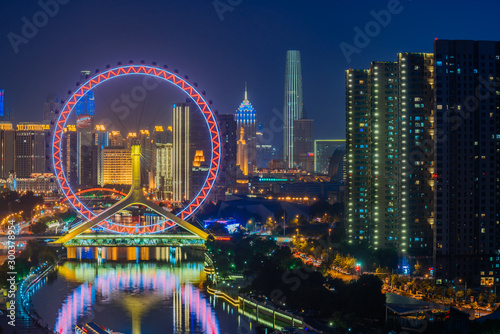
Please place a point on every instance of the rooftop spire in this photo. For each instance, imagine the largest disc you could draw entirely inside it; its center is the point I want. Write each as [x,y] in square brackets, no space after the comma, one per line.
[246,95]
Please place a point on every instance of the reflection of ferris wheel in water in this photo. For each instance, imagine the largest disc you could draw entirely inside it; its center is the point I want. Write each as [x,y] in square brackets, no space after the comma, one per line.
[145,70]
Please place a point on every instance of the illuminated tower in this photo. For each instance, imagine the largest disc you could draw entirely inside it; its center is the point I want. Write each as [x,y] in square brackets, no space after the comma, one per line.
[293,104]
[242,159]
[245,118]
[164,170]
[181,152]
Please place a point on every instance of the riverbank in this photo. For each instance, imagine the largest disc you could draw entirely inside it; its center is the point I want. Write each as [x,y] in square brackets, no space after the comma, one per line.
[27,320]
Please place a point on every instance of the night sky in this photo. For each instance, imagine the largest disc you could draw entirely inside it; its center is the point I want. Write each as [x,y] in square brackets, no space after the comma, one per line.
[249,44]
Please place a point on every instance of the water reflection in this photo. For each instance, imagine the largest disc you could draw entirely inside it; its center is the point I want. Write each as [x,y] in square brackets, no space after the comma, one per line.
[131,292]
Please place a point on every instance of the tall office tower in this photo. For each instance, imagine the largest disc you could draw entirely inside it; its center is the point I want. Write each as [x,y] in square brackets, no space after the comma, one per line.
[303,144]
[228,138]
[158,136]
[467,172]
[293,105]
[50,110]
[115,166]
[101,136]
[85,108]
[30,149]
[89,166]
[245,118]
[70,156]
[181,161]
[389,158]
[323,151]
[242,157]
[7,149]
[164,171]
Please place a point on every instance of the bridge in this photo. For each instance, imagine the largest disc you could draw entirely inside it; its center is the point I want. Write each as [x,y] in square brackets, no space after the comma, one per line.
[79,235]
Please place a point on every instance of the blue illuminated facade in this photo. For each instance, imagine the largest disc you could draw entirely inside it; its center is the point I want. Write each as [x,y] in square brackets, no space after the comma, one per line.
[1,102]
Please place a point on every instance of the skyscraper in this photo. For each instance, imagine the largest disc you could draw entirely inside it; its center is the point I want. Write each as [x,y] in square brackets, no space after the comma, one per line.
[293,104]
[85,108]
[389,160]
[7,146]
[242,157]
[467,170]
[228,136]
[70,155]
[303,146]
[245,118]
[2,102]
[181,152]
[164,171]
[30,149]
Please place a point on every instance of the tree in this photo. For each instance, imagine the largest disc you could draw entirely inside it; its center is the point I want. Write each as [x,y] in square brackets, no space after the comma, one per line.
[418,269]
[38,227]
[492,298]
[450,292]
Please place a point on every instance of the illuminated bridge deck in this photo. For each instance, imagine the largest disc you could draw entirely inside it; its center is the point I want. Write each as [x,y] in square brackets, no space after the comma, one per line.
[112,240]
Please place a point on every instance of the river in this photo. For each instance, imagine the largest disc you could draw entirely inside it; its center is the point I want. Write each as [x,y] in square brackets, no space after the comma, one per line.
[136,297]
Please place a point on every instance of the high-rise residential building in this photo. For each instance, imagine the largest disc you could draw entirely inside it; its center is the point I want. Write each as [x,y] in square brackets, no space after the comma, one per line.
[242,157]
[164,171]
[115,166]
[303,144]
[323,151]
[228,137]
[50,110]
[389,183]
[293,103]
[30,149]
[7,149]
[147,158]
[181,152]
[245,118]
[467,169]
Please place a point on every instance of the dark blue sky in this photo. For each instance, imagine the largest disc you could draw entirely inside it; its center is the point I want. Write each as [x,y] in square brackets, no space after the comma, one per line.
[249,44]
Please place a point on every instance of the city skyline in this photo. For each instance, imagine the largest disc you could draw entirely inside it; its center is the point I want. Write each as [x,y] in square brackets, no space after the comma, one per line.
[323,63]
[260,167]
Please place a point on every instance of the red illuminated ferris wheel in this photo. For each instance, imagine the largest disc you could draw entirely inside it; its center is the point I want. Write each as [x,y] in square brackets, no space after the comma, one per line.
[143,70]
